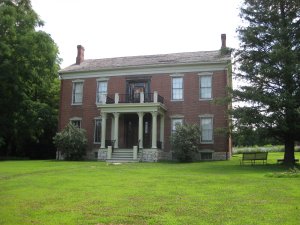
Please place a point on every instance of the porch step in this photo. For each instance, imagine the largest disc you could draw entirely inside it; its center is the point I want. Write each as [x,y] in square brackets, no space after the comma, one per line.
[122,160]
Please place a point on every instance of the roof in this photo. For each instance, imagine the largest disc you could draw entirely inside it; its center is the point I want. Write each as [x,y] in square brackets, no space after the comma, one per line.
[148,60]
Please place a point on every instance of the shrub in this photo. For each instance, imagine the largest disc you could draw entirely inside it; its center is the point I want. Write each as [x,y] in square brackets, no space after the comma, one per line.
[71,142]
[185,142]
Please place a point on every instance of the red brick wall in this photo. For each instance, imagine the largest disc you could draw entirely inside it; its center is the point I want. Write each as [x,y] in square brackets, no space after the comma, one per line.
[190,108]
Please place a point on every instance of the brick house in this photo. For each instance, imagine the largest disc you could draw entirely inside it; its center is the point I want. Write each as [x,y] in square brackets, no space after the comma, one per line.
[129,106]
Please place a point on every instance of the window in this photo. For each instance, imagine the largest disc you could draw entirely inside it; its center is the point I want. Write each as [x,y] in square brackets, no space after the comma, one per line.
[101,92]
[177,88]
[77,92]
[97,131]
[205,87]
[76,123]
[175,122]
[206,129]
[206,156]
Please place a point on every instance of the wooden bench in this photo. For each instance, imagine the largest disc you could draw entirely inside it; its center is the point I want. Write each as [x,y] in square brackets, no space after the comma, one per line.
[281,160]
[252,157]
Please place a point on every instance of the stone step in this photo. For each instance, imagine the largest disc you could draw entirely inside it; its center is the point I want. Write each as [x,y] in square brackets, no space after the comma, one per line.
[121,160]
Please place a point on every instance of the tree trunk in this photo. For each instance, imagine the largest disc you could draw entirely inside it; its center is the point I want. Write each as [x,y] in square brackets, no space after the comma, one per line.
[289,153]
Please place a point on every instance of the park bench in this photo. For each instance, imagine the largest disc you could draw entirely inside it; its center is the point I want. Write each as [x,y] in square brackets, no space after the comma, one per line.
[252,157]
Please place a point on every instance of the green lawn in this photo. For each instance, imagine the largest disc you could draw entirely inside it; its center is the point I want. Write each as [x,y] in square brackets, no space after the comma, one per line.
[223,192]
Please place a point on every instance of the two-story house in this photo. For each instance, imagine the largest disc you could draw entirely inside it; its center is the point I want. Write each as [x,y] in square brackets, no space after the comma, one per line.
[129,106]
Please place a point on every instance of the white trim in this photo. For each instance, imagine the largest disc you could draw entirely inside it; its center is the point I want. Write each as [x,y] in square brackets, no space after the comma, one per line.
[177,75]
[206,115]
[207,73]
[77,81]
[176,116]
[213,67]
[75,118]
[102,79]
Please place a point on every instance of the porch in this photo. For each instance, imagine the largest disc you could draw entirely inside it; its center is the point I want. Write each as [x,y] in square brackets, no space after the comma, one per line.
[128,122]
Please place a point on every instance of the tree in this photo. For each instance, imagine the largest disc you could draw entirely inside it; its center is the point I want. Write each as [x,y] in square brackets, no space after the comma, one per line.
[71,142]
[268,65]
[29,84]
[185,142]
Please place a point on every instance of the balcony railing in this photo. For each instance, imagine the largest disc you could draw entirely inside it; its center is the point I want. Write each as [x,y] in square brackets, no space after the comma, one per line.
[136,98]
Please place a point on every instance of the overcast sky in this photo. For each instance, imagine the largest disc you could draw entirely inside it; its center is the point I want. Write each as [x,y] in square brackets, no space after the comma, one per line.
[113,28]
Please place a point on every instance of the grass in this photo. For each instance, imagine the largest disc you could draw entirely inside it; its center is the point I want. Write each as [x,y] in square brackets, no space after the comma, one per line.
[223,192]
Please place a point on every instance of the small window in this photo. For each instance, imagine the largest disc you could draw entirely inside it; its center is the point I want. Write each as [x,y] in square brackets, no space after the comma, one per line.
[177,88]
[97,131]
[205,87]
[206,156]
[76,123]
[101,92]
[176,122]
[96,155]
[77,92]
[206,124]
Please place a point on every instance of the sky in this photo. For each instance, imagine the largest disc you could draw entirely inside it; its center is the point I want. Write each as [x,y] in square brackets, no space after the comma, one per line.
[116,28]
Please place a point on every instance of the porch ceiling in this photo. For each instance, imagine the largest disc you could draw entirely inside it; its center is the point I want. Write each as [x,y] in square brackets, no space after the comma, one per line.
[133,108]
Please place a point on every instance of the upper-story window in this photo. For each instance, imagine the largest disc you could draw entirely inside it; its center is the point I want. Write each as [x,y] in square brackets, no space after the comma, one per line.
[77,92]
[177,88]
[205,87]
[101,92]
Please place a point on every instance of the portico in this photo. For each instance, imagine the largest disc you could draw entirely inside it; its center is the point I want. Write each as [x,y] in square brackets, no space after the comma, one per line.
[141,123]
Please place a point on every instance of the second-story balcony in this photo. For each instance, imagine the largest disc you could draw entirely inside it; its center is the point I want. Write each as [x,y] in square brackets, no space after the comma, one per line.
[135,98]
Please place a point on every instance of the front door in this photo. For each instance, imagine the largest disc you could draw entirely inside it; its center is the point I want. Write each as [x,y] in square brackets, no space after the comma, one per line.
[131,130]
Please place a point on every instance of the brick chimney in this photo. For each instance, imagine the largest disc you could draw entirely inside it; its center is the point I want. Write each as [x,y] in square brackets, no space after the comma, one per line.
[223,38]
[80,54]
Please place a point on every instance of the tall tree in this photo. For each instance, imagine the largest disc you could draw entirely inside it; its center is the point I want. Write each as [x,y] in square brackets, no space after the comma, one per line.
[29,66]
[268,63]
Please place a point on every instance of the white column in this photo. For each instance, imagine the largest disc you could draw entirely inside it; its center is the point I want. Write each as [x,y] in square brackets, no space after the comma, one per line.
[117,98]
[116,130]
[154,129]
[141,116]
[162,130]
[142,97]
[155,97]
[103,129]
[112,134]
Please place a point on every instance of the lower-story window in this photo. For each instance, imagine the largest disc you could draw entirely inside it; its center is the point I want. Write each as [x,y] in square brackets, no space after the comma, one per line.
[76,122]
[97,131]
[176,122]
[206,124]
[206,156]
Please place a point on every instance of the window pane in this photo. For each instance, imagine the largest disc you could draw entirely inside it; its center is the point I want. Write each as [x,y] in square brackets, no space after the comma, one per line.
[205,86]
[176,122]
[77,92]
[177,94]
[206,130]
[76,123]
[177,82]
[97,134]
[101,92]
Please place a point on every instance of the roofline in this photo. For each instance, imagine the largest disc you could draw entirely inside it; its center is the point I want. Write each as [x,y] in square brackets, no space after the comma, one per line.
[149,69]
[147,66]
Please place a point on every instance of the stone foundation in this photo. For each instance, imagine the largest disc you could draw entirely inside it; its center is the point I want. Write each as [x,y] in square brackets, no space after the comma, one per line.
[102,154]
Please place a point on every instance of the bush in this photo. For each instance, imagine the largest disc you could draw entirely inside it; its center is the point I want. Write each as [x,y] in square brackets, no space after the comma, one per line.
[185,142]
[71,142]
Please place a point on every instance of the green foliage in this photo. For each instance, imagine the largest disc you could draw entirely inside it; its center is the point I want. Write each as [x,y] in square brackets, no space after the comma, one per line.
[29,86]
[71,142]
[185,142]
[268,70]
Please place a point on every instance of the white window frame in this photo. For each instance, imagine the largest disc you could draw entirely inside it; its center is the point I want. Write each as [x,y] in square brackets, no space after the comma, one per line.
[173,119]
[76,82]
[211,141]
[76,119]
[177,76]
[95,127]
[201,75]
[102,99]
